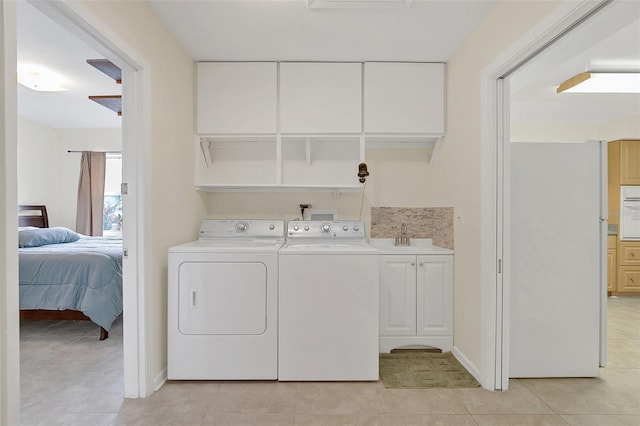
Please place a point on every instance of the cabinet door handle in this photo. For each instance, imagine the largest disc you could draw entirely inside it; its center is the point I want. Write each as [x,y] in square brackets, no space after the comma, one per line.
[413,263]
[421,263]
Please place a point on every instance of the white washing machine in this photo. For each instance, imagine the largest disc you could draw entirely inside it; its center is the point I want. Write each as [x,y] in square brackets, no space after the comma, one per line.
[328,304]
[223,302]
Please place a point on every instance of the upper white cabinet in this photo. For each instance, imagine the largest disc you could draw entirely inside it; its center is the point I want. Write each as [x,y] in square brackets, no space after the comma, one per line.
[236,97]
[320,98]
[404,98]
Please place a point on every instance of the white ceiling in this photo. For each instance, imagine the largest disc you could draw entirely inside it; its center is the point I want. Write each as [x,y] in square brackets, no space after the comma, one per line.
[608,41]
[43,42]
[287,30]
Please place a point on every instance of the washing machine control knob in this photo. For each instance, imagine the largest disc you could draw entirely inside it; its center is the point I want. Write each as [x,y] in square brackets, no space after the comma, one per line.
[345,228]
[272,227]
[306,227]
[242,226]
[325,228]
[356,227]
[296,227]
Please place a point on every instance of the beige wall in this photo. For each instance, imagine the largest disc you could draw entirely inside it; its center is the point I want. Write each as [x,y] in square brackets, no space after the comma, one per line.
[48,174]
[460,157]
[174,209]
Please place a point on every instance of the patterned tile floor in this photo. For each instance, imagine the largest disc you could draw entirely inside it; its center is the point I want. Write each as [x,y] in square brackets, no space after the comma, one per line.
[69,377]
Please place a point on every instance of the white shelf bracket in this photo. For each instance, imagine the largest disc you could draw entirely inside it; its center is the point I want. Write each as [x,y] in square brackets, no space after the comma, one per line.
[307,144]
[436,149]
[205,145]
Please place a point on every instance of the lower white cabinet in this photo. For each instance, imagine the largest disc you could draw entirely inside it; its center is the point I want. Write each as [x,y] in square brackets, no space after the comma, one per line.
[416,301]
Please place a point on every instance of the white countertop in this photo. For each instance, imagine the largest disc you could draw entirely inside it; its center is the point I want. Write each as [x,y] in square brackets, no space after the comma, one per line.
[417,246]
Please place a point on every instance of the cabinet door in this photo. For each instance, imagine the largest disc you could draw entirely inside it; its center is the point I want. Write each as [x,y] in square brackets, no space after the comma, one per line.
[236,97]
[611,269]
[397,295]
[403,97]
[630,162]
[628,279]
[320,97]
[435,295]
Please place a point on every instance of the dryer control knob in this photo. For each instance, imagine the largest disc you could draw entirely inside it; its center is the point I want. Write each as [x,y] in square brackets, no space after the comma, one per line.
[306,227]
[242,226]
[272,227]
[325,228]
[355,228]
[345,228]
[296,227]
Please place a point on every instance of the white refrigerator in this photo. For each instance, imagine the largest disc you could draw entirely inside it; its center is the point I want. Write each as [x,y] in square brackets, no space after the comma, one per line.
[555,259]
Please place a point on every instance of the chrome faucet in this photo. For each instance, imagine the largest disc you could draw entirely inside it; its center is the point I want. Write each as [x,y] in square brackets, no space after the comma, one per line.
[403,240]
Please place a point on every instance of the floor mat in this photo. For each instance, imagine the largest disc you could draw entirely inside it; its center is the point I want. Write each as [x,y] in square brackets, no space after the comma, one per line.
[417,370]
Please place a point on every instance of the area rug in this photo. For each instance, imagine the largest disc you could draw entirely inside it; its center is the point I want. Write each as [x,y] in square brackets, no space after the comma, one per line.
[418,370]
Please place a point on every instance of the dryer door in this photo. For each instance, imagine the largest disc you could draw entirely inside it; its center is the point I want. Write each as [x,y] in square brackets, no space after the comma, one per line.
[222,298]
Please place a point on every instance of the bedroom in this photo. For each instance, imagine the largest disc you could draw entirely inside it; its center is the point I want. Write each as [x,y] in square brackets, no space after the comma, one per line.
[53,129]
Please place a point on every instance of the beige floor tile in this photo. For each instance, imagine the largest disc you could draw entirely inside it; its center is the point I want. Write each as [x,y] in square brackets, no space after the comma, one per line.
[519,420]
[428,420]
[602,420]
[338,398]
[159,419]
[517,400]
[72,419]
[614,392]
[337,420]
[230,419]
[252,403]
[422,401]
[258,386]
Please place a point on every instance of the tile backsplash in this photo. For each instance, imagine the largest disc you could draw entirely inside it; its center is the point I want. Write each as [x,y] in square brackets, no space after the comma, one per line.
[422,222]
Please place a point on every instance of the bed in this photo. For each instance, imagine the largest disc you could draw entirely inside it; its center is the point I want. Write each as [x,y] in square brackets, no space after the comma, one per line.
[67,276]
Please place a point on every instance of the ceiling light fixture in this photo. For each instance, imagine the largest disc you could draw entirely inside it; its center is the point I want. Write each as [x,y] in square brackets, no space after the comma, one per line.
[602,82]
[39,78]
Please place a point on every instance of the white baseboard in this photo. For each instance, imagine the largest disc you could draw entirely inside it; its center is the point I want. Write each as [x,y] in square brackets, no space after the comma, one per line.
[159,380]
[466,363]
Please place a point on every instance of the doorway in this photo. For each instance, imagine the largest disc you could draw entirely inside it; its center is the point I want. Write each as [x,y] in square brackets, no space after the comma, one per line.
[135,381]
[550,55]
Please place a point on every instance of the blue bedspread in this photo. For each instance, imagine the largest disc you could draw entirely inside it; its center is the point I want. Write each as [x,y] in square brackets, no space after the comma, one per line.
[85,275]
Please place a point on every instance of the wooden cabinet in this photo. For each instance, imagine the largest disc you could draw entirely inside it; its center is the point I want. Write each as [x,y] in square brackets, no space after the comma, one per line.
[630,162]
[612,263]
[628,278]
[236,97]
[613,187]
[404,98]
[416,301]
[320,98]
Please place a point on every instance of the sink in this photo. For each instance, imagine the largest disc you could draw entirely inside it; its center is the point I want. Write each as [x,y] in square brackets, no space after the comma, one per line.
[390,243]
[417,246]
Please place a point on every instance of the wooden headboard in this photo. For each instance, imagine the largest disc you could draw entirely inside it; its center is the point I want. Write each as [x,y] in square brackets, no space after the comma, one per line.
[32,215]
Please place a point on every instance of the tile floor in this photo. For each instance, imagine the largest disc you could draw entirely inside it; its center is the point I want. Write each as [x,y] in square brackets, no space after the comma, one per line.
[69,377]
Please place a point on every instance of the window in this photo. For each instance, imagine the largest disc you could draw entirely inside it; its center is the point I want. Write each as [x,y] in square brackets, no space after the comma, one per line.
[112,213]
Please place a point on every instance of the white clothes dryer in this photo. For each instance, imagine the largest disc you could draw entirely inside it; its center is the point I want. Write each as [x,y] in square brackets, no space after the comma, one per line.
[223,302]
[328,303]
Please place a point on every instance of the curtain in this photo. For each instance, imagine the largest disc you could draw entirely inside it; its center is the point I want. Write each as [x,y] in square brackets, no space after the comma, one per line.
[91,193]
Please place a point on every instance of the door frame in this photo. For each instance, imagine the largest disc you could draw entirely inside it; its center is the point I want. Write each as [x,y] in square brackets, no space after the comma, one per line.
[495,119]
[136,131]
